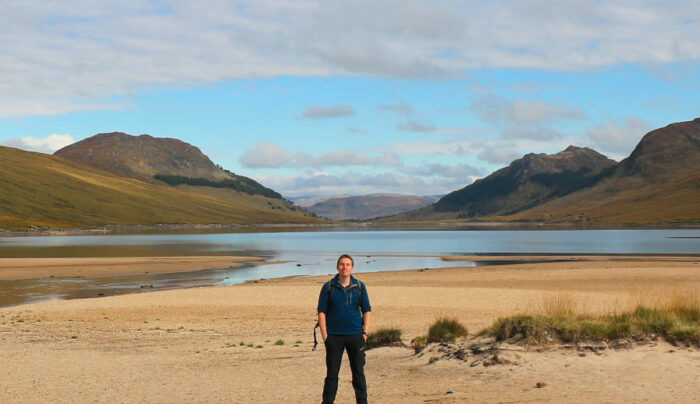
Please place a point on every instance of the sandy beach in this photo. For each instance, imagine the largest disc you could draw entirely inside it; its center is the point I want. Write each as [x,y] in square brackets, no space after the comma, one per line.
[36,268]
[218,344]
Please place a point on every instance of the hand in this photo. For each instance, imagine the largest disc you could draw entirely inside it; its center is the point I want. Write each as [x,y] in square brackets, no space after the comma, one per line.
[365,336]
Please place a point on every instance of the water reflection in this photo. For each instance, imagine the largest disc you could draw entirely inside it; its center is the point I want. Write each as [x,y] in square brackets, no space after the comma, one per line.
[24,291]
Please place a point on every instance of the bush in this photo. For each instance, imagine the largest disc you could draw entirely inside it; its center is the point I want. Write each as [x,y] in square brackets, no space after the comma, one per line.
[385,337]
[446,330]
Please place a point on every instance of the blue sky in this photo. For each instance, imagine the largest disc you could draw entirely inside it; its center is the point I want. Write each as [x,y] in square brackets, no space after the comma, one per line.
[351,97]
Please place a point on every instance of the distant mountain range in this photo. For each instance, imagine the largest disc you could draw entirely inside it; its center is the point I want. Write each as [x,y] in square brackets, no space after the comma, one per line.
[119,179]
[658,183]
[112,182]
[366,206]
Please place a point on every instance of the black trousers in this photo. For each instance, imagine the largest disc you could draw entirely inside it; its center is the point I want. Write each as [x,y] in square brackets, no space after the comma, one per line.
[355,346]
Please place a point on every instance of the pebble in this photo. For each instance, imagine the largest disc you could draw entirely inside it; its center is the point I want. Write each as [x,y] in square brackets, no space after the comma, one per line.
[539,385]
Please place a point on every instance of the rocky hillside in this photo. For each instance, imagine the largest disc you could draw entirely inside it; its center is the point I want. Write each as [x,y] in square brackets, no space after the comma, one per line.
[526,182]
[367,206]
[658,182]
[153,160]
[43,191]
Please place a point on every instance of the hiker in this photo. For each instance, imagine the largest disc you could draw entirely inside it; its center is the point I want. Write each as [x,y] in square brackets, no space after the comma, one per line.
[344,315]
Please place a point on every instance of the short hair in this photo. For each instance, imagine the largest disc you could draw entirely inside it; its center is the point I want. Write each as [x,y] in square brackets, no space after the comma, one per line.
[344,256]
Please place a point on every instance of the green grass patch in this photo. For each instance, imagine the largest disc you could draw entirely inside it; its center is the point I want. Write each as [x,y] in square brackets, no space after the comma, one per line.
[446,330]
[279,342]
[678,325]
[384,337]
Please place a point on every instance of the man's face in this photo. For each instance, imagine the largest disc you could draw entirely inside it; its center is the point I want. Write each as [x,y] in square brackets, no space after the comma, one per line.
[345,266]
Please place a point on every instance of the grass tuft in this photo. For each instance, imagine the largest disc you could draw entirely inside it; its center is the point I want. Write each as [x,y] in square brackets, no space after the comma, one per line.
[384,337]
[446,330]
[279,342]
[679,324]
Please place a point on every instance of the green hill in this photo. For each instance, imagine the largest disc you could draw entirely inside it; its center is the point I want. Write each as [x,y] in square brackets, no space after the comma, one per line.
[155,160]
[40,190]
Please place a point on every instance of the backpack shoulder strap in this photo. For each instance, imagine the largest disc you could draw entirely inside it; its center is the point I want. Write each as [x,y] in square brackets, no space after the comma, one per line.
[360,285]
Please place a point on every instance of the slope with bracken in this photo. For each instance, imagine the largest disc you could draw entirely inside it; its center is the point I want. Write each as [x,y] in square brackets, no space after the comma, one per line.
[40,190]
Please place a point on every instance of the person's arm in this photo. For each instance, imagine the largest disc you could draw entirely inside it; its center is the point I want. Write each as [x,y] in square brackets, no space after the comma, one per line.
[366,322]
[322,310]
[366,311]
[323,326]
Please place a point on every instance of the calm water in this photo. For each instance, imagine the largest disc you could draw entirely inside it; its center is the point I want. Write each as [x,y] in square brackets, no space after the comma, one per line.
[312,253]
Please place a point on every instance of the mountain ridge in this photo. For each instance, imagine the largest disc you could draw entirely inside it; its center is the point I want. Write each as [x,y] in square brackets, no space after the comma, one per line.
[659,182]
[154,160]
[525,182]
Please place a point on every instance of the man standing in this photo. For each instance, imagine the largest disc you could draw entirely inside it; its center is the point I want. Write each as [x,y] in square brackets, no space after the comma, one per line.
[344,315]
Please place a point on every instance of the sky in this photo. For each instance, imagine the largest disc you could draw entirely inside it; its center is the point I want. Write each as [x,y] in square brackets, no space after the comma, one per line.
[350,97]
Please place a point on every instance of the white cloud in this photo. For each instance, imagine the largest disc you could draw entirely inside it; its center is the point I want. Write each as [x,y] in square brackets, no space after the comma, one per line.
[48,144]
[413,126]
[441,170]
[618,140]
[499,155]
[322,183]
[501,111]
[265,155]
[270,155]
[417,127]
[344,158]
[400,108]
[528,133]
[334,111]
[138,45]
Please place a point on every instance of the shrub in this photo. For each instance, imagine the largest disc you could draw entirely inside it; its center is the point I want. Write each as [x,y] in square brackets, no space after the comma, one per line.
[279,342]
[384,337]
[446,330]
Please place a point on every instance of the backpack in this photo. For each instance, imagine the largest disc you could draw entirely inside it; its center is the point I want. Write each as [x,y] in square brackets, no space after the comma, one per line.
[330,294]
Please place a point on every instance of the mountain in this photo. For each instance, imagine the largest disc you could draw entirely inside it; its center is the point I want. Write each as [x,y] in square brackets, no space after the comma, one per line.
[310,200]
[658,183]
[367,206]
[43,191]
[526,182]
[153,159]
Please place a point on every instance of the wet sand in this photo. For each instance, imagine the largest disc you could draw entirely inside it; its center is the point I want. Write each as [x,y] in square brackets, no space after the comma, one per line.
[184,345]
[36,268]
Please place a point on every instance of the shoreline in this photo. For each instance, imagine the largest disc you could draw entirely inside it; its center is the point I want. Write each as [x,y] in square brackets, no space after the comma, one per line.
[371,225]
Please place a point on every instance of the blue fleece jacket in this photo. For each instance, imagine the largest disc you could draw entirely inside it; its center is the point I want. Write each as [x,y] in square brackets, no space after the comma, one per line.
[343,312]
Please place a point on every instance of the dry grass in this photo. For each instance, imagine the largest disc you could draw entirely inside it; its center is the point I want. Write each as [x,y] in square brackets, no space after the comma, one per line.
[562,317]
